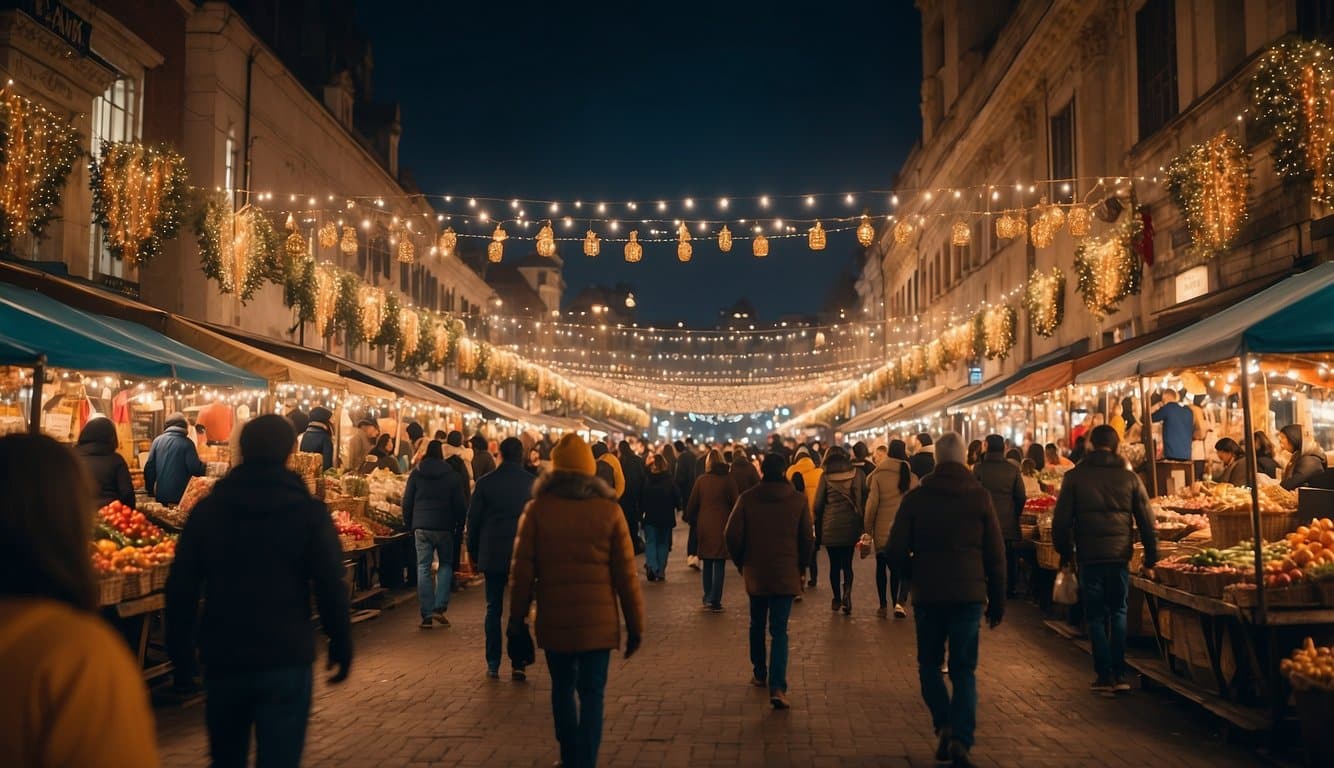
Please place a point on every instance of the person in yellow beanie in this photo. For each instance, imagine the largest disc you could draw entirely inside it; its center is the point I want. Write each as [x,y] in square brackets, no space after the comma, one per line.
[585,548]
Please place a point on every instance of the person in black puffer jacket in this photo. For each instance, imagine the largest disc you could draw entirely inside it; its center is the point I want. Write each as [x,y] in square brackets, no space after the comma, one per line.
[434,508]
[658,502]
[111,475]
[497,504]
[1005,480]
[839,520]
[1101,504]
[256,639]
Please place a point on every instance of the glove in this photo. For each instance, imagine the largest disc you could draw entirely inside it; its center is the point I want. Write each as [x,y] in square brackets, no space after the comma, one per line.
[632,642]
[340,655]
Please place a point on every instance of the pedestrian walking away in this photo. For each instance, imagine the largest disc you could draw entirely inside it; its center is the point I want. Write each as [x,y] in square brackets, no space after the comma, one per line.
[497,503]
[887,485]
[769,538]
[172,461]
[839,520]
[1004,479]
[574,558]
[659,503]
[710,504]
[435,510]
[805,477]
[947,532]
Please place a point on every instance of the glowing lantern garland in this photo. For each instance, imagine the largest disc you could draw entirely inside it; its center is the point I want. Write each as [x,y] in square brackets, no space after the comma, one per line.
[865,232]
[495,251]
[903,231]
[296,245]
[37,152]
[633,250]
[407,252]
[725,239]
[138,198]
[759,246]
[372,310]
[1044,298]
[448,241]
[1210,182]
[816,237]
[1293,98]
[546,241]
[1080,220]
[328,235]
[683,248]
[960,234]
[349,244]
[1108,268]
[592,245]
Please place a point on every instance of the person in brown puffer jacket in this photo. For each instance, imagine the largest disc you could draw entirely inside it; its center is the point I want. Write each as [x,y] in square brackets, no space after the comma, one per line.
[583,570]
[710,505]
[839,506]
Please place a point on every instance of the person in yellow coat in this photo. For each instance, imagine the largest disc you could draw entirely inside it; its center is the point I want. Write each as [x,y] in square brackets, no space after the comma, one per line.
[608,457]
[73,693]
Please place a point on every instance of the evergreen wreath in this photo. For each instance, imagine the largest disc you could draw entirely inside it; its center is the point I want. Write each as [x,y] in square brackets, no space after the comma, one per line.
[139,197]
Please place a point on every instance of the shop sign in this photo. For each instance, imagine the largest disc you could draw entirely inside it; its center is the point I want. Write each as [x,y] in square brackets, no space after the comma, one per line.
[57,17]
[1192,283]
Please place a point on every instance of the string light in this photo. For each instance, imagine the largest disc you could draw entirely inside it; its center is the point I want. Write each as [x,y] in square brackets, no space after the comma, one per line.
[1210,182]
[138,198]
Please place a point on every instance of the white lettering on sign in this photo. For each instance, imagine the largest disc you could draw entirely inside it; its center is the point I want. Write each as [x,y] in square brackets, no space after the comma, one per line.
[1192,283]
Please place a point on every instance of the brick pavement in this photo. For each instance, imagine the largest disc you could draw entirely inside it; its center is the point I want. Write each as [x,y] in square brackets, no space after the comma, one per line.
[419,698]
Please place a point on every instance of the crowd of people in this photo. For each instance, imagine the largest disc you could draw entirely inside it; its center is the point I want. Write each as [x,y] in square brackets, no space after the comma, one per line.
[940,517]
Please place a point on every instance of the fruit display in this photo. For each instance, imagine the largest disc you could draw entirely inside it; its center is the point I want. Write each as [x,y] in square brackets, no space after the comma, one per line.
[195,491]
[1039,504]
[1231,499]
[385,491]
[350,530]
[110,557]
[127,527]
[1311,665]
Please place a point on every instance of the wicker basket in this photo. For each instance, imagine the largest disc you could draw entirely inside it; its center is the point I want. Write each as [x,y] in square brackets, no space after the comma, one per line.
[1303,595]
[1028,532]
[352,545]
[1210,584]
[1231,528]
[137,585]
[1315,711]
[110,587]
[354,507]
[159,574]
[1047,557]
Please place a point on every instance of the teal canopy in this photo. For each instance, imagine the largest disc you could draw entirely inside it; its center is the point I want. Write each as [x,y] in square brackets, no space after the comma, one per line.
[32,324]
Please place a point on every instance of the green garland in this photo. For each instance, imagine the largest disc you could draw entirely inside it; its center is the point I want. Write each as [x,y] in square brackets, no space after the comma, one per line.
[482,372]
[214,225]
[37,152]
[1044,291]
[1282,110]
[132,167]
[1210,183]
[347,310]
[299,288]
[997,347]
[388,334]
[1118,243]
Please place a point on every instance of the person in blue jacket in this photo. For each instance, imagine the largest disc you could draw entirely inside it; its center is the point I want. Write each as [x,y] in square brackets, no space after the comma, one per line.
[172,461]
[318,437]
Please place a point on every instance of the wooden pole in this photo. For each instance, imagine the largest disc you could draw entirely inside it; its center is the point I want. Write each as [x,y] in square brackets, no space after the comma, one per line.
[1146,431]
[1251,471]
[35,400]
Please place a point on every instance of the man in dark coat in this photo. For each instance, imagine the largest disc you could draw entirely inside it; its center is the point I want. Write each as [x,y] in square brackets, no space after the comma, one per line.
[172,461]
[493,521]
[1100,505]
[318,437]
[947,536]
[632,468]
[687,471]
[1005,481]
[924,458]
[769,537]
[435,510]
[483,463]
[256,639]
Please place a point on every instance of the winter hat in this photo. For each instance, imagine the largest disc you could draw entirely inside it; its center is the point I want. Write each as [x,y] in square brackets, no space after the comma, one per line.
[415,431]
[320,413]
[267,438]
[572,454]
[455,439]
[177,420]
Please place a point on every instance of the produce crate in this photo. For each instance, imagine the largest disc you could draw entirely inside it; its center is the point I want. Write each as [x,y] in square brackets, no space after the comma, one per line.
[110,588]
[1302,595]
[137,585]
[1171,577]
[1166,550]
[1315,712]
[1231,528]
[1047,557]
[1210,584]
[352,545]
[354,507]
[1325,588]
[159,574]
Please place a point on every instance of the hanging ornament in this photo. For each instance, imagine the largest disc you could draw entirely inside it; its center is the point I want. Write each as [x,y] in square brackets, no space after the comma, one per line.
[865,231]
[1292,96]
[683,247]
[407,252]
[409,333]
[37,152]
[1044,298]
[633,250]
[449,239]
[495,251]
[1040,233]
[500,235]
[903,231]
[546,241]
[592,246]
[1210,182]
[1108,268]
[1055,217]
[328,234]
[725,239]
[296,244]
[349,244]
[326,297]
[996,331]
[960,233]
[760,246]
[1008,226]
[816,237]
[1080,220]
[372,301]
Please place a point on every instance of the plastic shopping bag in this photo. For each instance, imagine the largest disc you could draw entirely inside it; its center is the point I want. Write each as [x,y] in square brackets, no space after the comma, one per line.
[1066,591]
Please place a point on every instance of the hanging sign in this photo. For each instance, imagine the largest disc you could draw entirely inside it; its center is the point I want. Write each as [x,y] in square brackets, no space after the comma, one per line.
[57,17]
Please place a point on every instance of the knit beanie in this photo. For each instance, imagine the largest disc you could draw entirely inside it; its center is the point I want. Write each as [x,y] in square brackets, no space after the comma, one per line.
[572,454]
[322,414]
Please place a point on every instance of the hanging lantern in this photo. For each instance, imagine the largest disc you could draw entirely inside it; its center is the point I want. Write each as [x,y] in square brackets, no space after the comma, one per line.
[903,231]
[865,232]
[1055,217]
[407,252]
[960,233]
[296,246]
[760,246]
[328,235]
[592,246]
[724,239]
[815,237]
[349,244]
[683,248]
[500,235]
[1081,220]
[372,310]
[495,251]
[291,222]
[633,250]
[546,241]
[449,239]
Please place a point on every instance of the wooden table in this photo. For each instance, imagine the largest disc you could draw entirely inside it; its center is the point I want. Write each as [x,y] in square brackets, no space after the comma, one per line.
[139,611]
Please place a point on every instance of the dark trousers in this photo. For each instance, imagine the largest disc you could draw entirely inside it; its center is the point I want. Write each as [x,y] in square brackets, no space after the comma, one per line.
[495,607]
[1103,589]
[774,611]
[273,701]
[713,573]
[1012,550]
[578,726]
[692,543]
[955,624]
[886,578]
[813,572]
[840,569]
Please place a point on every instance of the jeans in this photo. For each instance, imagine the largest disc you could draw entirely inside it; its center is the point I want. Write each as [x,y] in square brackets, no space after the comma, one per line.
[885,577]
[714,571]
[774,610]
[495,606]
[657,539]
[1103,587]
[275,701]
[840,564]
[578,729]
[956,624]
[434,598]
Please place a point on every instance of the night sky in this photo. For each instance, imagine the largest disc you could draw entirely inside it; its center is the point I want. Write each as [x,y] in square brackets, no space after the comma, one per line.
[645,101]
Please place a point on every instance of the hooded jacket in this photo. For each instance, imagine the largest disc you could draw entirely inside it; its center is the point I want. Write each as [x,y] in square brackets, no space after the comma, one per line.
[769,537]
[493,516]
[810,475]
[359,446]
[1101,503]
[459,459]
[318,438]
[883,498]
[573,555]
[1005,481]
[659,501]
[258,615]
[839,501]
[111,475]
[618,474]
[947,539]
[172,461]
[433,499]
[633,472]
[710,504]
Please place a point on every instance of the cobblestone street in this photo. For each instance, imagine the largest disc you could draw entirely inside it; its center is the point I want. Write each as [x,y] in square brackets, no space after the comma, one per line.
[421,697]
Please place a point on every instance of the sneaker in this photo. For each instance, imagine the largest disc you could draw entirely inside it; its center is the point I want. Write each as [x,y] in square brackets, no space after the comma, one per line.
[847,606]
[778,700]
[662,575]
[707,608]
[426,623]
[692,562]
[716,607]
[758,682]
[959,756]
[440,619]
[648,572]
[518,675]
[494,674]
[1103,685]
[882,611]
[836,604]
[943,746]
[1121,685]
[797,597]
[899,611]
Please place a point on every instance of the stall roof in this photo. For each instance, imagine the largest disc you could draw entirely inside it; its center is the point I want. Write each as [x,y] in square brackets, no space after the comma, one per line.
[72,338]
[15,352]
[942,401]
[882,413]
[494,407]
[405,387]
[1061,374]
[1000,387]
[1272,315]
